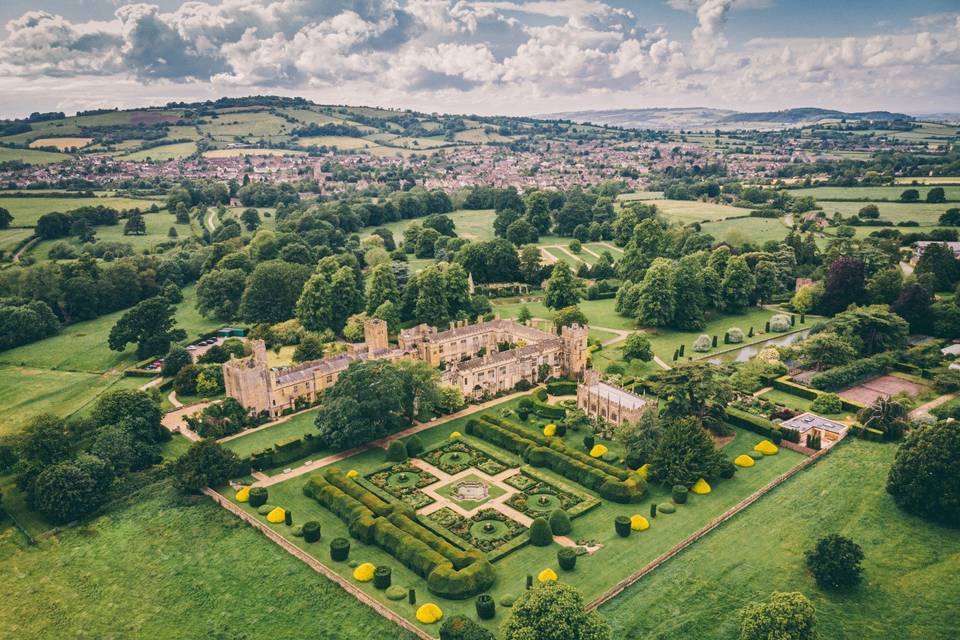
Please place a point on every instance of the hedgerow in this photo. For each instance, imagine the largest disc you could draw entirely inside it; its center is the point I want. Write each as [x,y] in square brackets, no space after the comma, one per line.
[850,374]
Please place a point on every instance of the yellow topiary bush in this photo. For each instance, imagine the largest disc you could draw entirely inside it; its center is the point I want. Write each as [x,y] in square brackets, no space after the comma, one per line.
[243,495]
[743,460]
[644,471]
[547,575]
[429,613]
[701,487]
[455,434]
[766,447]
[598,450]
[364,572]
[277,515]
[353,473]
[550,430]
[639,523]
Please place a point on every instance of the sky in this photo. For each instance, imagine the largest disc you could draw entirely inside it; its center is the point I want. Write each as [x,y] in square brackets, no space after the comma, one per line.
[511,57]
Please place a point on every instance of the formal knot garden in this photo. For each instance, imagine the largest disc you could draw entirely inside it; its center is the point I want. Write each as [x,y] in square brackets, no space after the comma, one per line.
[462,517]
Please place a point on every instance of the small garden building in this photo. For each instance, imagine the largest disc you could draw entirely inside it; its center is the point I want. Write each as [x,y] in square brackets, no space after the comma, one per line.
[810,424]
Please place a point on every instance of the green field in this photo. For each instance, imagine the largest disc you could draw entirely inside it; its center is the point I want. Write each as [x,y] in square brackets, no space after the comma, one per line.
[26,211]
[295,426]
[925,214]
[870,193]
[599,312]
[687,211]
[10,238]
[164,152]
[210,576]
[158,227]
[752,230]
[468,223]
[910,567]
[615,560]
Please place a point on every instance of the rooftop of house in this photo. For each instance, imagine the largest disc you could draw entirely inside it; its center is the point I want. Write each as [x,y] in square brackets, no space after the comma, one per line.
[806,421]
[622,397]
[501,357]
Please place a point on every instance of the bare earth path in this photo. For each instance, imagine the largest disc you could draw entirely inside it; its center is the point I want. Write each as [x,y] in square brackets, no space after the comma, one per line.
[176,420]
[933,404]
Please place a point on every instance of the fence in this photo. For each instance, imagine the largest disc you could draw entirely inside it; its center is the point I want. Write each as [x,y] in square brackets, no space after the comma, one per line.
[618,588]
[316,565]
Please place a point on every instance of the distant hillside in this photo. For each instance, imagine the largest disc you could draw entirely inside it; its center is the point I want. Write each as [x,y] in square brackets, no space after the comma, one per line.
[706,118]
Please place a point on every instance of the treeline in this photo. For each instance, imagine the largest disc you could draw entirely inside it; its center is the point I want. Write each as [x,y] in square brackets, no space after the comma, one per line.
[328,129]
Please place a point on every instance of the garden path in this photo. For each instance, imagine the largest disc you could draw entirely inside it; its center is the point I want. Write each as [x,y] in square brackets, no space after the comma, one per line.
[153,382]
[548,258]
[176,420]
[173,399]
[933,404]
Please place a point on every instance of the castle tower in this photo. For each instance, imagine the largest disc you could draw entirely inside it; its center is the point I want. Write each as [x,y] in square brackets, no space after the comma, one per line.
[248,379]
[574,350]
[375,335]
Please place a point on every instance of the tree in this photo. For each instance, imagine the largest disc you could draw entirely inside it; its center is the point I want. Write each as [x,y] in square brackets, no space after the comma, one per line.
[563,289]
[150,325]
[272,291]
[844,285]
[938,260]
[250,219]
[691,390]
[389,313]
[827,349]
[569,316]
[521,232]
[310,347]
[910,195]
[346,298]
[463,628]
[950,217]
[656,297]
[431,301]
[135,225]
[640,438]
[422,386]
[644,247]
[884,286]
[524,316]
[738,285]
[553,611]
[5,218]
[835,562]
[64,492]
[637,347]
[382,287]
[913,305]
[869,212]
[925,476]
[44,440]
[767,281]
[782,616]
[531,265]
[871,329]
[219,293]
[689,299]
[369,400]
[684,454]
[205,464]
[80,298]
[936,195]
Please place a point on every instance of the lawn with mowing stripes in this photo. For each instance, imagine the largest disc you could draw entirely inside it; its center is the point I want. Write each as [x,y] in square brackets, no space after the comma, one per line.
[296,426]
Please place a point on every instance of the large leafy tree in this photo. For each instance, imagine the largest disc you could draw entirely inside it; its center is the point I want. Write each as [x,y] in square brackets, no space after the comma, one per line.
[843,286]
[913,305]
[531,264]
[150,325]
[640,438]
[782,616]
[688,294]
[65,491]
[272,291]
[382,287]
[492,261]
[563,290]
[132,409]
[836,562]
[553,611]
[871,329]
[738,284]
[826,349]
[767,280]
[569,316]
[684,454]
[925,476]
[346,298]
[645,245]
[637,347]
[219,293]
[369,400]
[656,301]
[691,390]
[205,464]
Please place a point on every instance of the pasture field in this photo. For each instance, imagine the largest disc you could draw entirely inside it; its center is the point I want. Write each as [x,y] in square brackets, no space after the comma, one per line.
[925,214]
[10,238]
[158,227]
[26,211]
[340,142]
[472,224]
[687,211]
[31,156]
[61,144]
[928,180]
[296,426]
[641,195]
[248,124]
[599,312]
[479,136]
[210,576]
[616,559]
[870,193]
[236,153]
[909,568]
[164,152]
[744,230]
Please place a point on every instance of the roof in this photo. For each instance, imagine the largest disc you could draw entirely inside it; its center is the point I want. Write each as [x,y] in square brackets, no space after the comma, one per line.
[622,397]
[806,421]
[952,350]
[509,355]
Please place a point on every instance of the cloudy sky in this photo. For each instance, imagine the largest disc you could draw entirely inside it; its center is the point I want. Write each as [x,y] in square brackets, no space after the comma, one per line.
[484,56]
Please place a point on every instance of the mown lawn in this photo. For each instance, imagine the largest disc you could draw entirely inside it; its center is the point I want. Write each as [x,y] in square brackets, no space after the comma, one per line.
[26,211]
[910,591]
[164,567]
[618,558]
[295,426]
[743,230]
[472,224]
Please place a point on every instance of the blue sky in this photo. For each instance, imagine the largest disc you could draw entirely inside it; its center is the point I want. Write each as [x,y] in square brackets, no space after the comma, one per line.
[484,56]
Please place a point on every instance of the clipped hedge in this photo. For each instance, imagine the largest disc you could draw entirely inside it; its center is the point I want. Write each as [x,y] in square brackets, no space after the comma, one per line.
[544,410]
[622,526]
[382,577]
[783,383]
[562,388]
[540,534]
[567,558]
[486,606]
[257,497]
[450,572]
[310,531]
[749,421]
[339,549]
[854,372]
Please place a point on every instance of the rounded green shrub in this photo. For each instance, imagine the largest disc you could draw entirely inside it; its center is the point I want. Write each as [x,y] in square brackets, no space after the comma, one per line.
[702,344]
[264,509]
[258,496]
[339,549]
[486,606]
[311,531]
[734,335]
[567,558]
[776,436]
[414,446]
[540,535]
[622,526]
[396,452]
[297,531]
[756,455]
[463,628]
[827,403]
[396,592]
[665,507]
[588,442]
[727,470]
[780,323]
[679,493]
[508,600]
[381,577]
[559,522]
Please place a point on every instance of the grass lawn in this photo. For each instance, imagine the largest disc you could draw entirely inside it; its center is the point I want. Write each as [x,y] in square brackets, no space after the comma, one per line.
[210,576]
[799,404]
[27,392]
[164,152]
[926,214]
[870,193]
[295,426]
[618,558]
[31,156]
[472,224]
[158,228]
[26,211]
[910,567]
[687,211]
[598,312]
[10,238]
[753,230]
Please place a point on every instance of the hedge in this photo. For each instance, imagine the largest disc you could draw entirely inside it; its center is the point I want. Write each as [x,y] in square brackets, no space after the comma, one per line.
[540,534]
[679,493]
[749,421]
[562,388]
[311,531]
[382,577]
[567,558]
[486,606]
[285,451]
[450,572]
[850,374]
[544,410]
[258,496]
[339,549]
[612,483]
[783,383]
[622,525]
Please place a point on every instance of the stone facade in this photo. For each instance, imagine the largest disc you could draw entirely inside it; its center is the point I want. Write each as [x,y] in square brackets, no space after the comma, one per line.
[480,359]
[608,402]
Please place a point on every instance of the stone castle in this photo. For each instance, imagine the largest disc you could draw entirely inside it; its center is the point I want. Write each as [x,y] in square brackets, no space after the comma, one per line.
[609,402]
[480,359]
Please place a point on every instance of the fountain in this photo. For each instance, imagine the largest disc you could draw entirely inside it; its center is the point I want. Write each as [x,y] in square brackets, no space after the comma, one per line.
[471,490]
